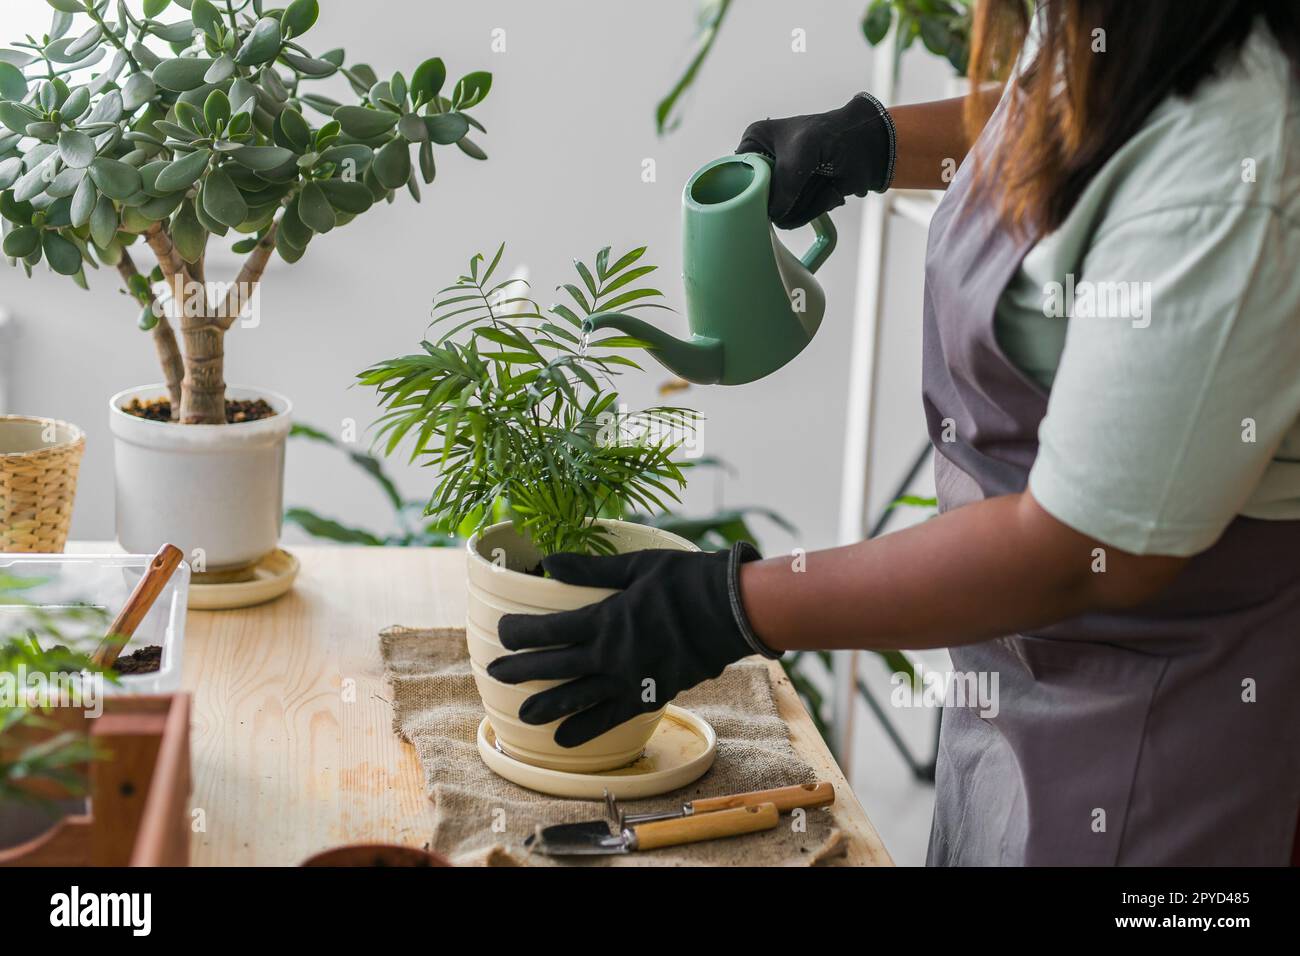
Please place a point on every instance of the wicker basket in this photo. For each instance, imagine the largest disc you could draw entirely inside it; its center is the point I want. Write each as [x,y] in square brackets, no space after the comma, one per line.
[39,459]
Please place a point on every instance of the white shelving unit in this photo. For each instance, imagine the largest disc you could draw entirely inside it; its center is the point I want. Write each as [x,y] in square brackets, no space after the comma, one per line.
[882,213]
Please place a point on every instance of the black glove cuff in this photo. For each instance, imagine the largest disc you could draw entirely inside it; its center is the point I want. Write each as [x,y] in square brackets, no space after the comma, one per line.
[742,552]
[892,135]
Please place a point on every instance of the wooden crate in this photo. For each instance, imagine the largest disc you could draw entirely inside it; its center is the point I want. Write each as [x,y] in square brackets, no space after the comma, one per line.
[139,793]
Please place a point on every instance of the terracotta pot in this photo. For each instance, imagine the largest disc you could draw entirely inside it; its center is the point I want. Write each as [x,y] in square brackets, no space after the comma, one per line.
[498,584]
[376,855]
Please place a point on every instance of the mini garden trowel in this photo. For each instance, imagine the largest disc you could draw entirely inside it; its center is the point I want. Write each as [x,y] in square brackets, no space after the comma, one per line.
[597,838]
[752,305]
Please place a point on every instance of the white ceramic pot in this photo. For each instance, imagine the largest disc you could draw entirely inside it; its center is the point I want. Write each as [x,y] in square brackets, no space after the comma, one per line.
[498,584]
[214,491]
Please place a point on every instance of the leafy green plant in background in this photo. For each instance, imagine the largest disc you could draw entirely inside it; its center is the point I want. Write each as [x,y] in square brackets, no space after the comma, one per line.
[415,529]
[517,410]
[942,26]
[118,125]
[34,753]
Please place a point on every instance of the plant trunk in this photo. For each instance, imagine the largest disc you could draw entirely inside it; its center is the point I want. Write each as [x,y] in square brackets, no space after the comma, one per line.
[204,324]
[203,390]
[164,340]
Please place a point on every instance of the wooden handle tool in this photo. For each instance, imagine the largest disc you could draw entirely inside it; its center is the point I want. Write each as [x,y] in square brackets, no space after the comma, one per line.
[785,799]
[156,576]
[808,795]
[708,826]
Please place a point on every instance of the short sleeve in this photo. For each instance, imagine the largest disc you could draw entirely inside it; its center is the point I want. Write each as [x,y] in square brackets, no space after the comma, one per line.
[1179,378]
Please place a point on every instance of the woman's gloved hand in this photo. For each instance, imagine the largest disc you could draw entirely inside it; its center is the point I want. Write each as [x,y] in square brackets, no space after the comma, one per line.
[820,159]
[677,621]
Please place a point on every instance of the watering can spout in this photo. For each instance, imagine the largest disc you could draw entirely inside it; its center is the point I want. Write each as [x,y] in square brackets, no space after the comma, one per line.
[697,359]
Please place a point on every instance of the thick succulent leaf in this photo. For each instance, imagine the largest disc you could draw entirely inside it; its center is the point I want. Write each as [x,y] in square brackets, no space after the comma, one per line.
[301,16]
[15,210]
[159,208]
[216,110]
[182,74]
[294,132]
[34,181]
[65,183]
[109,109]
[321,104]
[136,91]
[22,241]
[188,233]
[184,172]
[352,198]
[10,170]
[262,45]
[115,180]
[206,17]
[263,158]
[470,148]
[473,88]
[294,230]
[446,128]
[63,257]
[75,106]
[182,31]
[314,208]
[84,201]
[222,200]
[222,69]
[428,79]
[13,85]
[392,163]
[363,123]
[103,222]
[76,148]
[287,250]
[17,117]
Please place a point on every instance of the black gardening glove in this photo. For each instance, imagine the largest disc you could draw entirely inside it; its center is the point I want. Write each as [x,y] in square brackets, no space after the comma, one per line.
[677,621]
[822,158]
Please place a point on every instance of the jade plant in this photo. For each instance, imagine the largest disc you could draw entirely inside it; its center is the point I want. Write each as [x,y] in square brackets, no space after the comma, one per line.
[517,409]
[124,123]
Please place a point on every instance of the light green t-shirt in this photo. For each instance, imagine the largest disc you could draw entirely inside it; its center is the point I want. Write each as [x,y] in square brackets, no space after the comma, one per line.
[1164,318]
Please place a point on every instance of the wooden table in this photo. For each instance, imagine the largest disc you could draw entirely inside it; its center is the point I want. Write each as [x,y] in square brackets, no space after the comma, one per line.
[292,737]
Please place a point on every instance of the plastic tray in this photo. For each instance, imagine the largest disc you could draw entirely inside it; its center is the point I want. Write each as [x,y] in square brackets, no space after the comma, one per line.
[104,581]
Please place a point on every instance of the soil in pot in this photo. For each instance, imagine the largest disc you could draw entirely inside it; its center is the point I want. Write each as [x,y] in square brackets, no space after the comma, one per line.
[142,660]
[241,410]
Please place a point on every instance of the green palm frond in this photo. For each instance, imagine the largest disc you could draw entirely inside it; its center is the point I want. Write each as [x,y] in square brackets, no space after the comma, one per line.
[517,410]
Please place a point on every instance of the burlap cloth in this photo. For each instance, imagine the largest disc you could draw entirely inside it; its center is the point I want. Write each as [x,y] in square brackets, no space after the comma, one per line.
[481,819]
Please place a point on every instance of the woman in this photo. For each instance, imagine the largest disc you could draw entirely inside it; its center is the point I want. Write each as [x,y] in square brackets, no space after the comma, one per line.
[1112,383]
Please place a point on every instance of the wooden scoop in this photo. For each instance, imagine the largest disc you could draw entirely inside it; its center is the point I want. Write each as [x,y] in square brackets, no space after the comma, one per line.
[156,576]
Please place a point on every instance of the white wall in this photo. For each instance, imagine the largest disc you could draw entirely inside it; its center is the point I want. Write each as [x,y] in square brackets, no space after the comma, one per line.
[570,120]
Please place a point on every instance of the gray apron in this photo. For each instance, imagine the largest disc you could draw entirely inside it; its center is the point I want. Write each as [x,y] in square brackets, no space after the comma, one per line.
[1121,738]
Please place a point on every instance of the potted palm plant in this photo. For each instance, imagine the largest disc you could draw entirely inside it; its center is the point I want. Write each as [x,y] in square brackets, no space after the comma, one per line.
[124,132]
[517,410]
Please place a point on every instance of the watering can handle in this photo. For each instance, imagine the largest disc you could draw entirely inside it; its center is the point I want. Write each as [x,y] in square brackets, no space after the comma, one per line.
[822,246]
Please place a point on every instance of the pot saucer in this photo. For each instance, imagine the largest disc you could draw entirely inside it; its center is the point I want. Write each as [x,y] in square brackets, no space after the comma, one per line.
[681,750]
[243,587]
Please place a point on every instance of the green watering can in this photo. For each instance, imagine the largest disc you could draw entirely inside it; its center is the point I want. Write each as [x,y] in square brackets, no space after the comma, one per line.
[751,304]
